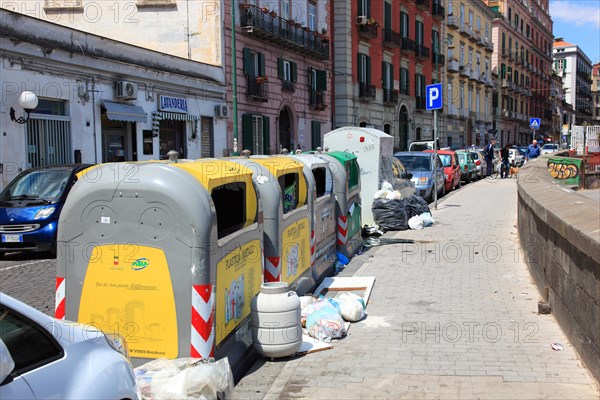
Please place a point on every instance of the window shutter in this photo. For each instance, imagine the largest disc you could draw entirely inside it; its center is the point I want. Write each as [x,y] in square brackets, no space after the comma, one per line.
[280,68]
[368,69]
[261,64]
[388,16]
[315,129]
[407,83]
[383,75]
[266,136]
[368,8]
[247,61]
[321,80]
[359,64]
[247,132]
[294,71]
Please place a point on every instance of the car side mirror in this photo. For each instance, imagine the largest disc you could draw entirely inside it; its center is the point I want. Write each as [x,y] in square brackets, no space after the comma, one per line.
[7,364]
[409,175]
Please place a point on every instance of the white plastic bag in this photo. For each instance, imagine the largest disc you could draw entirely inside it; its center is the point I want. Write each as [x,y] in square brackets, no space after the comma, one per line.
[184,378]
[386,186]
[352,306]
[323,321]
[415,223]
[427,219]
[380,194]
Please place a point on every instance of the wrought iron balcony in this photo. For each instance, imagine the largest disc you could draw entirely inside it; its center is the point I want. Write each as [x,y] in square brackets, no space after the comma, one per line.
[439,11]
[366,91]
[407,45]
[368,31]
[421,51]
[391,38]
[422,4]
[288,86]
[285,33]
[440,58]
[390,96]
[317,100]
[258,89]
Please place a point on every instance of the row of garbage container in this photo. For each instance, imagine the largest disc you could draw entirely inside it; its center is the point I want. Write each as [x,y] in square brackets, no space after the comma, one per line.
[170,255]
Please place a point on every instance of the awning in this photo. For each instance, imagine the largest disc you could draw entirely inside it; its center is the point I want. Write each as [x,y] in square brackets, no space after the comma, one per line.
[124,112]
[158,116]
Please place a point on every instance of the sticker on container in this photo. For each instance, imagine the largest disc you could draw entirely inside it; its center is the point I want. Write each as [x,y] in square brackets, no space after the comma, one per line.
[105,220]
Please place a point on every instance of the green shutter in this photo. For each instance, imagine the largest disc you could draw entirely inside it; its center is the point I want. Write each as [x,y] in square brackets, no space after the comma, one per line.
[359,65]
[388,16]
[280,68]
[247,132]
[266,136]
[321,80]
[261,64]
[368,8]
[368,70]
[247,61]
[294,71]
[383,74]
[315,129]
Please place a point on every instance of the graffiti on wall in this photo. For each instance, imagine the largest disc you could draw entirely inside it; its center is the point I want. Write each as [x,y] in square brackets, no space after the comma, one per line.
[567,170]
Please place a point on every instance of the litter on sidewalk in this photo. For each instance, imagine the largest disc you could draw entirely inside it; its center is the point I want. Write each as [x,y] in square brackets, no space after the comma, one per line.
[395,213]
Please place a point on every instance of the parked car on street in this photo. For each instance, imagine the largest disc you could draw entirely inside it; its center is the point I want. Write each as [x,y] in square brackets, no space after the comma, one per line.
[515,157]
[46,358]
[480,163]
[468,168]
[549,148]
[421,166]
[30,206]
[451,168]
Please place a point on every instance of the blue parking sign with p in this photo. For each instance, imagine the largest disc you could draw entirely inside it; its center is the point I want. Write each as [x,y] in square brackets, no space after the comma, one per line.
[433,96]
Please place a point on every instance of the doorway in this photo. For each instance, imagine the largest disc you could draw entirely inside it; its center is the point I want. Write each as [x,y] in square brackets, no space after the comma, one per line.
[286,140]
[115,143]
[402,138]
[172,137]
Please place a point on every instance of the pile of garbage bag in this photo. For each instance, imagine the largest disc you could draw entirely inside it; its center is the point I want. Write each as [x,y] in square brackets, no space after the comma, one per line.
[324,318]
[184,378]
[394,213]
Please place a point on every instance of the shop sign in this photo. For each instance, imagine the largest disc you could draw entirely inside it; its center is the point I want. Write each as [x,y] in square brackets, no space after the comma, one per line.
[172,104]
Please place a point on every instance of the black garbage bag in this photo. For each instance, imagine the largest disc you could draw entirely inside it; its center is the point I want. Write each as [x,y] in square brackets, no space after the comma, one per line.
[416,205]
[390,215]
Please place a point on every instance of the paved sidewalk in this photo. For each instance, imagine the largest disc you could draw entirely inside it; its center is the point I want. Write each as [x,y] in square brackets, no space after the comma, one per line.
[453,315]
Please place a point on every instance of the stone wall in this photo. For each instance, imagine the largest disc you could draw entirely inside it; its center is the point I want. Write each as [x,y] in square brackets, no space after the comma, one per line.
[559,232]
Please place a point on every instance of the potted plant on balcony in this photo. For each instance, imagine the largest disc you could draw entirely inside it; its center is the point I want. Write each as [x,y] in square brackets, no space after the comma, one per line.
[245,5]
[273,13]
[265,10]
[371,21]
[306,28]
[261,79]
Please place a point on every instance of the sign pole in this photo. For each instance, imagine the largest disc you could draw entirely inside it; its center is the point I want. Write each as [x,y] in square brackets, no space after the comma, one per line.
[435,199]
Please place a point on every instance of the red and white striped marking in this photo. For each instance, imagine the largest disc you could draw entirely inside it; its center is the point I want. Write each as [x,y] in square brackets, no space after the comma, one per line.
[59,298]
[272,269]
[203,322]
[312,247]
[342,230]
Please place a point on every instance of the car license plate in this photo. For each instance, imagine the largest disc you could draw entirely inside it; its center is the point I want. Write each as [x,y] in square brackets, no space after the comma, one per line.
[12,238]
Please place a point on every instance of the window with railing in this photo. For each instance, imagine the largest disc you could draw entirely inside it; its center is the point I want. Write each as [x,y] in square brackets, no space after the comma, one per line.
[404,25]
[404,81]
[364,8]
[287,72]
[419,32]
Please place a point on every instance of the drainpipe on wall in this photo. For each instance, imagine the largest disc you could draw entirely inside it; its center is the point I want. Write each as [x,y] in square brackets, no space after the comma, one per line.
[94,118]
[234,81]
[332,64]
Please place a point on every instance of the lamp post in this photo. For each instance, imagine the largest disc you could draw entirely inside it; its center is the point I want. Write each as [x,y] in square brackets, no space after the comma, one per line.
[28,101]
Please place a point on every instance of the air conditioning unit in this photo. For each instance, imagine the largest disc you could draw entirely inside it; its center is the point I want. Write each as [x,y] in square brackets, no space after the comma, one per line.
[221,111]
[362,20]
[126,90]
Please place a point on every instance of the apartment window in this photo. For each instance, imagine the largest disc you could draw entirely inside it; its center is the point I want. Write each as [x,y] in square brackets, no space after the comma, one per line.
[435,41]
[387,16]
[509,45]
[49,134]
[462,54]
[487,30]
[419,32]
[478,24]
[470,94]
[503,40]
[315,133]
[364,68]
[388,75]
[287,70]
[462,15]
[312,17]
[364,8]
[450,8]
[285,9]
[420,90]
[470,57]
[449,90]
[254,63]
[503,71]
[255,133]
[462,97]
[486,104]
[478,67]
[404,81]
[404,25]
[471,19]
[477,100]
[509,14]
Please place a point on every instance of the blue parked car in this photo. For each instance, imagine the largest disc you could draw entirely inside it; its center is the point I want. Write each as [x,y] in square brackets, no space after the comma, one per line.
[420,165]
[30,206]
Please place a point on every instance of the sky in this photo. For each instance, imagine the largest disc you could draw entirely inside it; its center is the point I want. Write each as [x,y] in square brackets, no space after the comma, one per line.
[578,22]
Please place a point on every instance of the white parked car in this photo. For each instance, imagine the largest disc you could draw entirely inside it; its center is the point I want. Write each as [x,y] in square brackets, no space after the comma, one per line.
[549,148]
[515,157]
[46,358]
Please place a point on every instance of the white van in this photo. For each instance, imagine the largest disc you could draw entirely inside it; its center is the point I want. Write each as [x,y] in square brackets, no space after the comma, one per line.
[423,145]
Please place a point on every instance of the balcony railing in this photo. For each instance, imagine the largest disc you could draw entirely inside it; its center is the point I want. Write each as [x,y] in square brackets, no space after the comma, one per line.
[464,112]
[407,45]
[453,21]
[317,100]
[366,91]
[440,58]
[465,71]
[473,75]
[256,23]
[421,51]
[288,86]
[368,31]
[257,90]
[391,38]
[390,96]
[420,102]
[489,45]
[463,29]
[453,65]
[453,111]
[422,4]
[438,11]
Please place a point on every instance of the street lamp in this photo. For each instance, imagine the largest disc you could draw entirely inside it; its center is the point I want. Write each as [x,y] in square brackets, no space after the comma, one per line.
[28,101]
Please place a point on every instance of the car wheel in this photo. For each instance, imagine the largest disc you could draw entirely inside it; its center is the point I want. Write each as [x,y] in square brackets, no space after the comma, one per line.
[468,180]
[443,189]
[2,254]
[458,184]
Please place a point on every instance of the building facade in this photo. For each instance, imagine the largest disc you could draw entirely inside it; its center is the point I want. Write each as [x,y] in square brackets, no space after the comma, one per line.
[281,75]
[468,112]
[101,100]
[385,53]
[596,93]
[575,68]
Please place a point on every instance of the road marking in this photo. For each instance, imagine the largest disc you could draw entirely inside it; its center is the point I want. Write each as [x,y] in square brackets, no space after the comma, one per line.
[21,265]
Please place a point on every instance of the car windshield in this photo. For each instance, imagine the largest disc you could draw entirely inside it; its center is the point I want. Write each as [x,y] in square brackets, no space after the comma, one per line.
[415,163]
[446,159]
[44,184]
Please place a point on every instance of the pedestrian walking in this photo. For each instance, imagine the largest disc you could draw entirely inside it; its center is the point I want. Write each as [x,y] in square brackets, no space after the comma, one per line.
[489,156]
[505,167]
[533,151]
